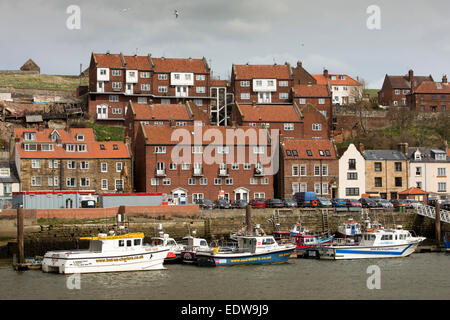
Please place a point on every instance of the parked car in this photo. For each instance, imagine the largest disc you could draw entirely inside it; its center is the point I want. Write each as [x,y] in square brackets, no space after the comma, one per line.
[258,203]
[306,199]
[410,204]
[239,204]
[205,204]
[338,203]
[222,204]
[353,203]
[289,203]
[400,203]
[368,203]
[274,203]
[416,204]
[384,203]
[325,203]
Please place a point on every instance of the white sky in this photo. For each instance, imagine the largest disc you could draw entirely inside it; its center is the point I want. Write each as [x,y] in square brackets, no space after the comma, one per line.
[322,34]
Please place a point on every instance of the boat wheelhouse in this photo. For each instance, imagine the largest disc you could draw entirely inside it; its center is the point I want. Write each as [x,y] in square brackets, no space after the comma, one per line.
[189,253]
[108,253]
[174,254]
[303,242]
[349,229]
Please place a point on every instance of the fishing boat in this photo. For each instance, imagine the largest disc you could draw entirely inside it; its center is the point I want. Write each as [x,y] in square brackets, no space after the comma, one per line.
[108,253]
[298,229]
[174,254]
[375,243]
[304,241]
[189,253]
[349,229]
[250,249]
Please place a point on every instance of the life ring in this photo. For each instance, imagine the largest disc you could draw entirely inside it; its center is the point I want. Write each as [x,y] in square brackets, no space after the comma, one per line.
[314,203]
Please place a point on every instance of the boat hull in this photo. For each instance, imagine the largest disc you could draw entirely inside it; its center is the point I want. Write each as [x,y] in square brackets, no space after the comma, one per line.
[82,263]
[367,252]
[228,259]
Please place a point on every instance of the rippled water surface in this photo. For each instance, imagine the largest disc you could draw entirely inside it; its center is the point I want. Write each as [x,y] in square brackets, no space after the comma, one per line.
[420,276]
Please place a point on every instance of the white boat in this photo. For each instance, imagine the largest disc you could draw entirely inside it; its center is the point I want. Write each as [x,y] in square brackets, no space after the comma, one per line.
[298,229]
[174,254]
[188,255]
[375,243]
[350,229]
[107,253]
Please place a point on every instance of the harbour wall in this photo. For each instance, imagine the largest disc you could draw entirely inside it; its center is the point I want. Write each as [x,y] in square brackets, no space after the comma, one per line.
[214,225]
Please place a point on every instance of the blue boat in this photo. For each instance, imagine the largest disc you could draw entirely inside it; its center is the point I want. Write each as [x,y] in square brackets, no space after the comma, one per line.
[249,250]
[447,243]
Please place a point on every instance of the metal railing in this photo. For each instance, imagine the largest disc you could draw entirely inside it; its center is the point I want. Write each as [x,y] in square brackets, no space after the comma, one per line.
[430,212]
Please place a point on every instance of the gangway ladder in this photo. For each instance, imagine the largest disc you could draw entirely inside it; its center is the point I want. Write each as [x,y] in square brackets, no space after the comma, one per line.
[275,219]
[325,226]
[430,212]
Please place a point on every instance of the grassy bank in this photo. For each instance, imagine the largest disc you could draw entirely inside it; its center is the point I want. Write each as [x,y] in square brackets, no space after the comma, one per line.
[41,81]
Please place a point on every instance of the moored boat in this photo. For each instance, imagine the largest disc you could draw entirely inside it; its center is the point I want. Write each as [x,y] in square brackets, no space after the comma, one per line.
[189,253]
[107,253]
[305,241]
[174,254]
[349,229]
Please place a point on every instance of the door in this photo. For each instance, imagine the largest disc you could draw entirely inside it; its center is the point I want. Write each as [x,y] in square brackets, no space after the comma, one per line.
[264,97]
[102,112]
[129,88]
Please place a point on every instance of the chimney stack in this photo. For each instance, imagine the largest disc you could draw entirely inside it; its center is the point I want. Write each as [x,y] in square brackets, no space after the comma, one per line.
[403,147]
[325,72]
[254,104]
[411,75]
[67,125]
[361,147]
[299,64]
[444,79]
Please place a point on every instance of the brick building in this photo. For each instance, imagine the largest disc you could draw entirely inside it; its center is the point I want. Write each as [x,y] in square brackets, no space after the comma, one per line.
[115,79]
[200,165]
[71,159]
[430,96]
[262,84]
[344,89]
[301,76]
[308,165]
[395,89]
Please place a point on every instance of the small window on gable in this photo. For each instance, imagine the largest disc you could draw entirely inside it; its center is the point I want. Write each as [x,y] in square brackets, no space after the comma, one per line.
[294,153]
[321,153]
[327,152]
[288,152]
[102,147]
[115,147]
[80,137]
[309,153]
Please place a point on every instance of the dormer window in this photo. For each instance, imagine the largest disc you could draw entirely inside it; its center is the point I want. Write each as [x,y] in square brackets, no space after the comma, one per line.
[70,147]
[29,136]
[82,148]
[80,137]
[54,136]
[102,147]
[417,156]
[115,147]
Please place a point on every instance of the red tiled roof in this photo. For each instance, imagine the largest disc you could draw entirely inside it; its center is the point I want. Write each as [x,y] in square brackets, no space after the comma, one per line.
[268,113]
[304,90]
[159,135]
[413,190]
[137,62]
[349,81]
[262,71]
[108,60]
[433,87]
[179,65]
[314,145]
[93,147]
[160,111]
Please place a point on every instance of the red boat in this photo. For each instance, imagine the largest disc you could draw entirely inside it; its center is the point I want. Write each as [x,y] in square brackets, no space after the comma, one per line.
[305,241]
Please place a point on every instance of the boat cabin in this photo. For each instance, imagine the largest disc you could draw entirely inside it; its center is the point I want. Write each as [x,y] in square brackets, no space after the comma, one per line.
[385,237]
[195,243]
[256,244]
[110,243]
[163,241]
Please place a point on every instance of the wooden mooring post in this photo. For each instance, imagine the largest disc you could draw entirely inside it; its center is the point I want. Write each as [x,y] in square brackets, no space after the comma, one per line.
[20,247]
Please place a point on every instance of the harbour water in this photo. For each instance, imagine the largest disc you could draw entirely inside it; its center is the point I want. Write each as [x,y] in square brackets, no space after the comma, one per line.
[423,276]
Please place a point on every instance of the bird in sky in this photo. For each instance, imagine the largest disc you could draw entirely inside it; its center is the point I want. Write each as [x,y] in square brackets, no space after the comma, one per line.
[124,10]
[176,14]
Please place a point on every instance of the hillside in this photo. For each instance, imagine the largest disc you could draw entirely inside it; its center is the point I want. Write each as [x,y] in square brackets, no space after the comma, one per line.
[41,81]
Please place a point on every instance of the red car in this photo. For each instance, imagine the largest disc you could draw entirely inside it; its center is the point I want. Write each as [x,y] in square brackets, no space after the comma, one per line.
[258,203]
[352,203]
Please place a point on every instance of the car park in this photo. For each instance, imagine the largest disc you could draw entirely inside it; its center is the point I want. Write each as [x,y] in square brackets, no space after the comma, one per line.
[368,203]
[384,203]
[222,204]
[239,204]
[205,204]
[353,203]
[324,202]
[338,203]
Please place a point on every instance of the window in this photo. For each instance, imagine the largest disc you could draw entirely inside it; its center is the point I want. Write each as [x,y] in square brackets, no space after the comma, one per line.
[309,153]
[113,98]
[36,164]
[197,149]
[84,165]
[229,181]
[166,182]
[142,100]
[7,188]
[398,166]
[162,77]
[321,101]
[419,184]
[378,166]
[145,75]
[162,89]
[71,182]
[284,96]
[192,181]
[245,83]
[442,187]
[245,96]
[441,172]
[4,172]
[70,147]
[253,181]
[160,149]
[82,148]
[317,188]
[259,195]
[71,164]
[247,166]
[154,181]
[351,164]
[324,170]
[295,188]
[145,87]
[119,166]
[117,85]
[200,89]
[324,188]
[378,182]
[121,243]
[36,181]
[317,127]
[217,181]
[104,184]
[118,184]
[418,171]
[116,73]
[30,147]
[398,181]
[283,83]
[303,170]
[29,136]
[397,91]
[84,182]
[185,166]
[302,101]
[352,176]
[258,150]
[200,77]
[321,153]
[265,180]
[116,111]
[352,191]
[295,170]
[203,181]
[223,150]
[104,167]
[172,166]
[235,166]
[288,126]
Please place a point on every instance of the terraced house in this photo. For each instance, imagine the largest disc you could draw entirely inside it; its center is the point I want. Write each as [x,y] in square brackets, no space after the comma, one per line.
[71,159]
[344,89]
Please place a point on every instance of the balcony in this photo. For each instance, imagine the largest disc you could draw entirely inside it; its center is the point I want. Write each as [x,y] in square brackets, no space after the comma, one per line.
[223,172]
[198,172]
[259,172]
[160,172]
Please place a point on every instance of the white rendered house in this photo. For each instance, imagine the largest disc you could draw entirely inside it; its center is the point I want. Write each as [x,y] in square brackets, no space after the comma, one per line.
[352,175]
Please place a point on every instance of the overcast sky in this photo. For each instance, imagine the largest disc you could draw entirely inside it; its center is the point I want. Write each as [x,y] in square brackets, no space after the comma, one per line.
[321,34]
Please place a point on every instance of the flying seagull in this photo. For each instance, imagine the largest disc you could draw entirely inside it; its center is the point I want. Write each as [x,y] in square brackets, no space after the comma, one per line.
[176,13]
